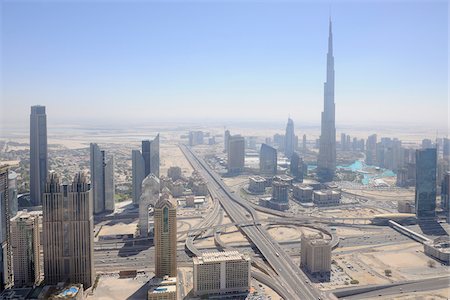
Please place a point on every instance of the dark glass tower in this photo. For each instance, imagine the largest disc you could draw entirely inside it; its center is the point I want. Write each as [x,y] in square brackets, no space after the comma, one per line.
[426,183]
[38,153]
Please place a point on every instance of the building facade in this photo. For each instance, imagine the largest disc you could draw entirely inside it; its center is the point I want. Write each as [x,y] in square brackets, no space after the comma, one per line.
[149,197]
[165,218]
[327,198]
[297,167]
[326,162]
[6,267]
[289,139]
[222,273]
[102,179]
[315,254]
[38,153]
[68,225]
[236,154]
[150,153]
[138,175]
[425,195]
[267,160]
[26,248]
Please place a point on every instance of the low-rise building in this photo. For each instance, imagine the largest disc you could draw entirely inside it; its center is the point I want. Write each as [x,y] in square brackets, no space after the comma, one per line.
[280,195]
[257,184]
[303,193]
[438,249]
[222,273]
[199,188]
[405,206]
[162,288]
[326,197]
[174,173]
[177,188]
[315,254]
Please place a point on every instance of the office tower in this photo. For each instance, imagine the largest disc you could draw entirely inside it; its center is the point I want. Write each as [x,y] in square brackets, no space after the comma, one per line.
[343,141]
[445,195]
[326,162]
[315,254]
[267,160]
[226,138]
[102,180]
[446,148]
[297,167]
[6,272]
[68,226]
[304,143]
[38,153]
[222,273]
[150,153]
[138,174]
[289,139]
[371,150]
[165,219]
[195,138]
[12,193]
[236,154]
[280,195]
[425,198]
[26,248]
[149,196]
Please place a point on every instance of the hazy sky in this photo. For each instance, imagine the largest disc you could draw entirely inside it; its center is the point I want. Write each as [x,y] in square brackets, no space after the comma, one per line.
[242,60]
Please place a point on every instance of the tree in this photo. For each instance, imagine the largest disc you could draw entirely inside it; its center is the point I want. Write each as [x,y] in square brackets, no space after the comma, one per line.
[388,272]
[431,263]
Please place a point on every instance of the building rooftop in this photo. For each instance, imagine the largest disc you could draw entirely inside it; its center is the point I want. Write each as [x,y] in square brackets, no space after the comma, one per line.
[213,257]
[327,192]
[162,285]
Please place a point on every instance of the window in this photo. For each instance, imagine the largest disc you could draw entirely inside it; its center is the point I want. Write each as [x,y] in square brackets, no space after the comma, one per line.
[165,219]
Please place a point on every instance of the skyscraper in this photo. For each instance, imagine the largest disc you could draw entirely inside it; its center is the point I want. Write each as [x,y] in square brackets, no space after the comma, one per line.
[297,167]
[26,248]
[326,163]
[68,226]
[371,149]
[102,180]
[226,138]
[289,139]
[165,218]
[38,153]
[150,153]
[426,183]
[138,174]
[236,154]
[149,196]
[267,160]
[6,272]
[445,195]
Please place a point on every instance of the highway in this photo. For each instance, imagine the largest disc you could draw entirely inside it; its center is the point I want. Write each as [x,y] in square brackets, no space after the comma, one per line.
[290,276]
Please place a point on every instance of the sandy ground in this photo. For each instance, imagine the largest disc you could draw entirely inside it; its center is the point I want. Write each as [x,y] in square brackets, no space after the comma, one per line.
[114,288]
[171,156]
[119,228]
[443,294]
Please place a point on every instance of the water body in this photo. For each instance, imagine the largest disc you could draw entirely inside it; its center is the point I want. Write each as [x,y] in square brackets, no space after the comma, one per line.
[366,170]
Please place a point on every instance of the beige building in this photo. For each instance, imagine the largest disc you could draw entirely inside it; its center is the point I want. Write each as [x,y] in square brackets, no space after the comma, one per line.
[326,198]
[165,222]
[405,206]
[217,273]
[6,272]
[315,254]
[68,231]
[257,184]
[162,288]
[302,192]
[25,242]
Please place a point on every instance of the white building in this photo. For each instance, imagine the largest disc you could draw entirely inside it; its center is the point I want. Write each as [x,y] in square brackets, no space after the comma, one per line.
[218,273]
[326,198]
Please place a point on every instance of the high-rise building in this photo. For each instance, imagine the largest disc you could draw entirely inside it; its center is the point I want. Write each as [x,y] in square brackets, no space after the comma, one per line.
[226,138]
[315,254]
[445,195]
[68,228]
[165,219]
[138,174]
[289,139]
[371,150]
[102,180]
[6,271]
[26,248]
[343,141]
[326,162]
[304,147]
[268,160]
[196,138]
[12,193]
[222,273]
[297,167]
[425,198]
[38,153]
[150,153]
[236,154]
[149,196]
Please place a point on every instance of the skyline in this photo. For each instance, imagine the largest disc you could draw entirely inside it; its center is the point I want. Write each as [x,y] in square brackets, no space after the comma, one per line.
[270,56]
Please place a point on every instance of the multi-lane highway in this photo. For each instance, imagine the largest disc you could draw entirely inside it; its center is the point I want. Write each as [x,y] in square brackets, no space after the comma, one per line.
[290,276]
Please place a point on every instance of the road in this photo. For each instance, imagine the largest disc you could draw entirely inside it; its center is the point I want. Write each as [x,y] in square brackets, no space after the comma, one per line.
[291,277]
